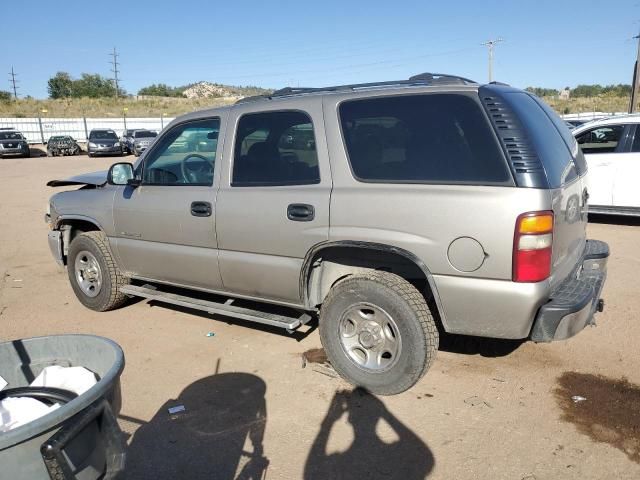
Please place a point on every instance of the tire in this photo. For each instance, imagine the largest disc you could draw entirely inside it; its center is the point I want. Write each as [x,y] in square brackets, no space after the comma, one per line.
[90,154]
[393,327]
[85,249]
[27,154]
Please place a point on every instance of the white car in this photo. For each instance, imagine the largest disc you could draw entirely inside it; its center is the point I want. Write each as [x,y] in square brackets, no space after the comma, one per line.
[611,147]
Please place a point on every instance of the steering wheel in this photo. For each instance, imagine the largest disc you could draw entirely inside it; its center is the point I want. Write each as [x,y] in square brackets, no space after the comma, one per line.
[194,167]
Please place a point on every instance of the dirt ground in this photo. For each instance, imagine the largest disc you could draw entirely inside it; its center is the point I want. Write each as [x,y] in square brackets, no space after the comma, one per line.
[486,410]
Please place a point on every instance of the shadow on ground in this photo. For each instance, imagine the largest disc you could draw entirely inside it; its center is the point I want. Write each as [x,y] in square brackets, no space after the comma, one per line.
[605,409]
[223,414]
[371,455]
[614,219]
[486,347]
[37,152]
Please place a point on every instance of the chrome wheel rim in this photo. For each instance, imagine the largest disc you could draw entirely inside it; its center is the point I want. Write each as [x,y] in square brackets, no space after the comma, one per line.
[370,337]
[88,273]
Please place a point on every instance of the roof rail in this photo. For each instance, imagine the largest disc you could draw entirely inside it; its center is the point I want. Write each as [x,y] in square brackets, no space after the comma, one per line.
[416,80]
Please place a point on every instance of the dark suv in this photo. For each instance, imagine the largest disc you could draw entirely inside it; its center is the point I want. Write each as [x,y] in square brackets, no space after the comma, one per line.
[389,211]
[13,143]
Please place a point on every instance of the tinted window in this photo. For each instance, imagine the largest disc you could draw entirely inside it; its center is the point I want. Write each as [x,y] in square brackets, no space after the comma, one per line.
[439,138]
[635,147]
[567,136]
[103,135]
[603,139]
[184,156]
[10,136]
[145,134]
[275,148]
[554,153]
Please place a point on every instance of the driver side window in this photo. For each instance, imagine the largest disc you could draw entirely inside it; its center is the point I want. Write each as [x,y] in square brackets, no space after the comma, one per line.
[186,155]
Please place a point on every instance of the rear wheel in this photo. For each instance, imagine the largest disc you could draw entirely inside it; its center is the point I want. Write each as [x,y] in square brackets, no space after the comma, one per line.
[94,275]
[378,332]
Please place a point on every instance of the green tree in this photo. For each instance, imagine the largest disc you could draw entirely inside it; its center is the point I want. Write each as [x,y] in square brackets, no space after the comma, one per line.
[93,86]
[161,90]
[60,85]
[5,96]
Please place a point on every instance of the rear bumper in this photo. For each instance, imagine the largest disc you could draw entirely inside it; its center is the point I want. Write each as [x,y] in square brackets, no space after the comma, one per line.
[573,304]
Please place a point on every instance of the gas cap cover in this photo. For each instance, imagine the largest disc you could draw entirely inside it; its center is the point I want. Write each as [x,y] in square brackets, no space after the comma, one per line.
[466,254]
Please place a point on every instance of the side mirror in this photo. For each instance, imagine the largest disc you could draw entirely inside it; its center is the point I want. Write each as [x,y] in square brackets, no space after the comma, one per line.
[120,174]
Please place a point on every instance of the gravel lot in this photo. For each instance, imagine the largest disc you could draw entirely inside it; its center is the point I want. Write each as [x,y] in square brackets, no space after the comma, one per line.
[486,410]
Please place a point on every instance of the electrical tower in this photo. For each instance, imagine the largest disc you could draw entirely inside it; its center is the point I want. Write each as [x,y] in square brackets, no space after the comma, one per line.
[13,82]
[490,44]
[114,68]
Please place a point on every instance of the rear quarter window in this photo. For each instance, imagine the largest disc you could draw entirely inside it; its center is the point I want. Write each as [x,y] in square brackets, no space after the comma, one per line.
[432,138]
[554,152]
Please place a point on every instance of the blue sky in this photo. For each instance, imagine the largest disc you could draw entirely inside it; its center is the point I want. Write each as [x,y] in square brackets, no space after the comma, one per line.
[306,43]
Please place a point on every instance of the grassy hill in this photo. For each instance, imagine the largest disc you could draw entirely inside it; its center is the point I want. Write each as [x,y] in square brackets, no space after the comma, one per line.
[171,106]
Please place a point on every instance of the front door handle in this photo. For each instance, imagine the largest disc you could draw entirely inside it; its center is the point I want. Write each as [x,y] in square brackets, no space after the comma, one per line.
[201,209]
[301,212]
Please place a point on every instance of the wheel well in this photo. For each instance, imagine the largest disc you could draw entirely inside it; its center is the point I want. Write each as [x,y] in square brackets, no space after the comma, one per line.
[332,264]
[71,228]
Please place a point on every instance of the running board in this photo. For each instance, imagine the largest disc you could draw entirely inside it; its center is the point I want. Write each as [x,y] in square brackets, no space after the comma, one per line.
[226,307]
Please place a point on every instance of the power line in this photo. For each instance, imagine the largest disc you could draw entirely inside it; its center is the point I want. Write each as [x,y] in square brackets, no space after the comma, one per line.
[490,44]
[13,82]
[114,68]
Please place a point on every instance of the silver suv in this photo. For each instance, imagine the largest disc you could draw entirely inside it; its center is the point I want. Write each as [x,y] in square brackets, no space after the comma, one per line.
[390,211]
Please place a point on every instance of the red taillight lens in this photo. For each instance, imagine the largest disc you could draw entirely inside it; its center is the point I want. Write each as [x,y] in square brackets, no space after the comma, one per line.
[532,246]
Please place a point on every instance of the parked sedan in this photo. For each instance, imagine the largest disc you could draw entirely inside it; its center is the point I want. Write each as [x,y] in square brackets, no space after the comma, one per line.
[13,143]
[104,142]
[611,147]
[62,145]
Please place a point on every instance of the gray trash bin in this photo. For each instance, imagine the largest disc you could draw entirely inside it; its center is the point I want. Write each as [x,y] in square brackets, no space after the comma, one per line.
[81,439]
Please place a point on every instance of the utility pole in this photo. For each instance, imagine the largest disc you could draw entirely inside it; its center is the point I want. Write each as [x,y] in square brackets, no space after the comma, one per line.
[633,105]
[490,44]
[114,68]
[13,82]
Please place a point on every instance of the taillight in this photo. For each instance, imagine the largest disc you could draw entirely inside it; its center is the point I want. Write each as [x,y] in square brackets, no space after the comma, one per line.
[532,244]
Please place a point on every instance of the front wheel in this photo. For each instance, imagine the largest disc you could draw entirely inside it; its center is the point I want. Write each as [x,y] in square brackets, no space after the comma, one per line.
[93,273]
[378,332]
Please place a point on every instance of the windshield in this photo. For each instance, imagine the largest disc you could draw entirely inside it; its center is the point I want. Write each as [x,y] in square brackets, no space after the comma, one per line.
[145,134]
[103,135]
[10,136]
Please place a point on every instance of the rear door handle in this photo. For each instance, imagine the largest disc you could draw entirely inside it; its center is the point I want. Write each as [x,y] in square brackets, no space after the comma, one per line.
[301,212]
[201,209]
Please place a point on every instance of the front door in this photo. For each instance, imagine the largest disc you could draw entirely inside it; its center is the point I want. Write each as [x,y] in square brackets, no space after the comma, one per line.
[165,228]
[273,204]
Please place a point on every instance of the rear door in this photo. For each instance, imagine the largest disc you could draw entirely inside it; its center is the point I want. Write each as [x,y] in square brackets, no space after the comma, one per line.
[566,173]
[273,202]
[627,172]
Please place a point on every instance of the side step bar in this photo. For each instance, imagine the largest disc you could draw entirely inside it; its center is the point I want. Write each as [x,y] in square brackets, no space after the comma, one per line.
[290,323]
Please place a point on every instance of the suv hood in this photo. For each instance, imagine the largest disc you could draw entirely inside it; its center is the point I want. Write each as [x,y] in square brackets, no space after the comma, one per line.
[95,178]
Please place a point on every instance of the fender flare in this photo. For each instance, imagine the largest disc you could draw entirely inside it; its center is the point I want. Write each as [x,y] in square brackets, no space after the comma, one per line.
[313,251]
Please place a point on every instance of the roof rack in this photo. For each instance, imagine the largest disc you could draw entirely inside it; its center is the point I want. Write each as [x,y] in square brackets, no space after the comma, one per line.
[416,80]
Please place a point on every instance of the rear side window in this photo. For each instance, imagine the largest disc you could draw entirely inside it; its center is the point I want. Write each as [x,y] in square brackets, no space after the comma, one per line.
[554,153]
[567,136]
[436,138]
[275,148]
